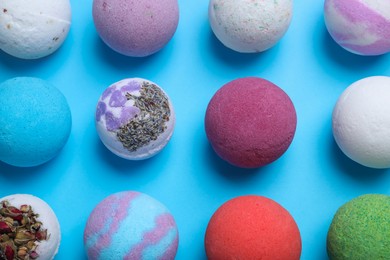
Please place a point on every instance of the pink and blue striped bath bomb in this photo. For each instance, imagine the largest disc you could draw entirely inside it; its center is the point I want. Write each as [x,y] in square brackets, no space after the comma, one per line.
[130,225]
[359,26]
[136,28]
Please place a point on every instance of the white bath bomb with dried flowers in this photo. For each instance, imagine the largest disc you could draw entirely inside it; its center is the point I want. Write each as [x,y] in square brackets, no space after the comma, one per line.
[250,26]
[134,118]
[46,248]
[33,29]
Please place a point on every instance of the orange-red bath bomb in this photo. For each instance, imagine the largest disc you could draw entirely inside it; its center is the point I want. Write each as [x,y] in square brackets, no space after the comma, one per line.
[251,228]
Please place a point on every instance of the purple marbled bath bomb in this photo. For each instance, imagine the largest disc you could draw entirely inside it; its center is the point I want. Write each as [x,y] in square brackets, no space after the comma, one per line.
[359,26]
[131,225]
[136,28]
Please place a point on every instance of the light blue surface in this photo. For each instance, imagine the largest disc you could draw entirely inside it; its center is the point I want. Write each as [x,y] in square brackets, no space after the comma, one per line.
[311,180]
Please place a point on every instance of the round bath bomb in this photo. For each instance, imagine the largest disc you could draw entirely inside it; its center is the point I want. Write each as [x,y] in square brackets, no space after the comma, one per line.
[252,227]
[250,25]
[359,26]
[136,28]
[42,241]
[134,118]
[250,122]
[131,225]
[361,122]
[360,229]
[33,29]
[35,121]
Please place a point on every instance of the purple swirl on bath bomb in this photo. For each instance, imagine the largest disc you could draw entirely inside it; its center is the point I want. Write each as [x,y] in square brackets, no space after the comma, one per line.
[114,109]
[130,225]
[131,86]
[108,92]
[100,110]
[112,122]
[118,99]
[359,26]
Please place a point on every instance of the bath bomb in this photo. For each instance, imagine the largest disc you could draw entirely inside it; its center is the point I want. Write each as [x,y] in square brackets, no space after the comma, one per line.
[252,227]
[250,26]
[359,26]
[250,122]
[130,225]
[136,28]
[35,121]
[361,122]
[360,229]
[134,118]
[33,29]
[45,233]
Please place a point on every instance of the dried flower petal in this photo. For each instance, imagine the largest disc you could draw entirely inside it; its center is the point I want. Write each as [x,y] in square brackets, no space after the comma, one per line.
[20,232]
[34,255]
[36,226]
[5,227]
[23,236]
[9,252]
[22,253]
[41,235]
[25,208]
[4,238]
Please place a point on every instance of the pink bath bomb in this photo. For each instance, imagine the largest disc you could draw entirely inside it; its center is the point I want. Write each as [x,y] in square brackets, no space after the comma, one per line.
[359,26]
[136,28]
[250,122]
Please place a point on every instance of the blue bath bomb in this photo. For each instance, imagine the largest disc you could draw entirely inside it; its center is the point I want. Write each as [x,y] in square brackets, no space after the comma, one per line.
[35,121]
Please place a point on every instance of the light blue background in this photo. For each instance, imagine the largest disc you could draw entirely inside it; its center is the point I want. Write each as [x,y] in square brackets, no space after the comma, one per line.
[311,180]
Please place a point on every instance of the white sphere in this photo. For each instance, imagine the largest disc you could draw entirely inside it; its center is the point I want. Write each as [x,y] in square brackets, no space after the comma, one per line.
[361,122]
[33,29]
[250,26]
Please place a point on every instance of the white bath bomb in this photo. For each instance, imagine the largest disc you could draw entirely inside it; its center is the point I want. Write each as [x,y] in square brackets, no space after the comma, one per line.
[361,122]
[250,25]
[46,249]
[134,118]
[33,29]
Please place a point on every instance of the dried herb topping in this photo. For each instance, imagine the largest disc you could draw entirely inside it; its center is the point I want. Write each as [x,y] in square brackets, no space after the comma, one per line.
[151,121]
[20,232]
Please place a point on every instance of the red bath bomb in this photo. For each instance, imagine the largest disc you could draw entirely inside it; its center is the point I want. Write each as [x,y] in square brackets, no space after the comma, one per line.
[252,227]
[250,122]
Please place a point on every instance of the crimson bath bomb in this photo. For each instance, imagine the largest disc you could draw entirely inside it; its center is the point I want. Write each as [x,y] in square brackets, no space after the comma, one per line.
[252,227]
[361,122]
[136,28]
[250,122]
[359,26]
